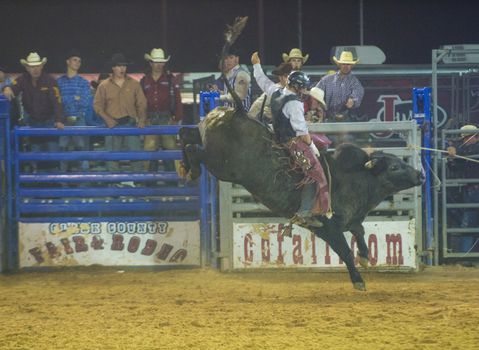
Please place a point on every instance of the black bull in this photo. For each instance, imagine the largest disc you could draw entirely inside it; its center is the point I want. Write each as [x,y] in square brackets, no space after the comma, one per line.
[241,150]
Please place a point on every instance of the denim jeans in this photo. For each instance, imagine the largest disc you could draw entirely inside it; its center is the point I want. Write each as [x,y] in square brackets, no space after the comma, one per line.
[153,142]
[43,144]
[124,143]
[78,143]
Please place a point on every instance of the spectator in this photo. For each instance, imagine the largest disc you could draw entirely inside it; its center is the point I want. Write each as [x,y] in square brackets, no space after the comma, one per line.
[261,109]
[295,58]
[239,79]
[343,91]
[92,118]
[41,100]
[291,130]
[4,78]
[76,100]
[316,114]
[16,108]
[317,109]
[120,101]
[468,146]
[164,105]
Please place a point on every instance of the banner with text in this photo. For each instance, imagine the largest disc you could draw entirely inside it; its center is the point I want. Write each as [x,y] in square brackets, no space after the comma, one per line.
[145,243]
[391,243]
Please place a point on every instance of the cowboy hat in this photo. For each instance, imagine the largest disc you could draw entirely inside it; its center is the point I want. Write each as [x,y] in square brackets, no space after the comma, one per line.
[345,58]
[282,69]
[318,95]
[295,53]
[33,59]
[157,56]
[468,127]
[119,59]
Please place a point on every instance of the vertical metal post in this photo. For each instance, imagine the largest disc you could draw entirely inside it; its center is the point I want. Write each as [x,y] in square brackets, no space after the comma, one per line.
[204,236]
[422,115]
[261,29]
[212,98]
[361,22]
[214,225]
[300,24]
[437,56]
[164,23]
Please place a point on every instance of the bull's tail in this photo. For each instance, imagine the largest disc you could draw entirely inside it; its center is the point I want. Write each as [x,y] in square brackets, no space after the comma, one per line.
[231,34]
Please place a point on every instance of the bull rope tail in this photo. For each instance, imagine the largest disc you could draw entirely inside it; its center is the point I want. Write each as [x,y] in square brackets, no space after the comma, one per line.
[329,212]
[437,180]
[231,34]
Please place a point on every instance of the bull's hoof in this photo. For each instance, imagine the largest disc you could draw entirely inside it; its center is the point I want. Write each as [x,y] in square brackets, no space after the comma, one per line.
[360,286]
[363,262]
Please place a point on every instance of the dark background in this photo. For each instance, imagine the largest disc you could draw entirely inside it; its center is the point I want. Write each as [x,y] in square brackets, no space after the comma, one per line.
[405,30]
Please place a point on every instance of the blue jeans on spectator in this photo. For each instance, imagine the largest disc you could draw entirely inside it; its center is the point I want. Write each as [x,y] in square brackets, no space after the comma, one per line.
[43,144]
[79,143]
[124,143]
[470,216]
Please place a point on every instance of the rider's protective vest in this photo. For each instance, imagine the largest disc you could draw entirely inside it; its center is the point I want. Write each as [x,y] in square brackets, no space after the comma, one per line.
[281,124]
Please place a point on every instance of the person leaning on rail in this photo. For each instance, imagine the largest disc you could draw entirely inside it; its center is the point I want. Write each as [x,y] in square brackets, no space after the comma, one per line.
[42,104]
[163,98]
[76,100]
[343,91]
[120,101]
[468,146]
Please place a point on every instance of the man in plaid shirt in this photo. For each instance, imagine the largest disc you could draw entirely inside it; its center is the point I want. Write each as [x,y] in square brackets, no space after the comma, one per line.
[343,91]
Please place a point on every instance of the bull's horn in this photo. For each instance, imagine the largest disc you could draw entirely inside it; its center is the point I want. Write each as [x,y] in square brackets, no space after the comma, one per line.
[369,164]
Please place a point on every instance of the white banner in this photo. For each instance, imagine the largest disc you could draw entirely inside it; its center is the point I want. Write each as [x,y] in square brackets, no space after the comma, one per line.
[144,243]
[391,243]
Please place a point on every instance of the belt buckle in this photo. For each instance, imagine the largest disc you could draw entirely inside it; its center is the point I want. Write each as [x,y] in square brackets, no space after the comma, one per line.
[71,120]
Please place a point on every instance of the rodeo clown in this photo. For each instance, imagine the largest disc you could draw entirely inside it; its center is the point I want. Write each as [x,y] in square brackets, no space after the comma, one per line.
[290,129]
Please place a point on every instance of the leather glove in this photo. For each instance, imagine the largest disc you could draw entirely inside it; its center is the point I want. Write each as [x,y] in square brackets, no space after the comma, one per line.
[314,149]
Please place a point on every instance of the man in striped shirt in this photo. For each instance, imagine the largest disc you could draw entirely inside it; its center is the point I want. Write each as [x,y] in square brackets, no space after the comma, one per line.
[76,100]
[343,91]
[239,79]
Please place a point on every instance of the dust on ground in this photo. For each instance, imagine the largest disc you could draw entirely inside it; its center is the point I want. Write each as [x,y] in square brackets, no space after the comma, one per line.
[99,308]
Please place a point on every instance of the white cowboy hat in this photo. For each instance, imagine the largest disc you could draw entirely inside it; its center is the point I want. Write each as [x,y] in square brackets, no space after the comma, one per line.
[345,58]
[157,55]
[318,95]
[33,59]
[468,127]
[295,53]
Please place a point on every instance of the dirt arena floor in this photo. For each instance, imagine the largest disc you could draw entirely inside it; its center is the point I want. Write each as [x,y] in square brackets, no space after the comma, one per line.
[99,308]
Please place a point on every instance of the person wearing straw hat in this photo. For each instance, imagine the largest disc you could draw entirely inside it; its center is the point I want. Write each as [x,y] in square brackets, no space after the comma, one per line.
[120,101]
[164,106]
[295,58]
[41,101]
[317,106]
[343,91]
[41,96]
[468,146]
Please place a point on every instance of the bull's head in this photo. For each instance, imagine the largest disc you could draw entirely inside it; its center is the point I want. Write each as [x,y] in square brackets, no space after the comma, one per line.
[393,172]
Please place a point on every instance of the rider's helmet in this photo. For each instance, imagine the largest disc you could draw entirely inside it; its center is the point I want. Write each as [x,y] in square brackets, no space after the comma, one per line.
[298,80]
